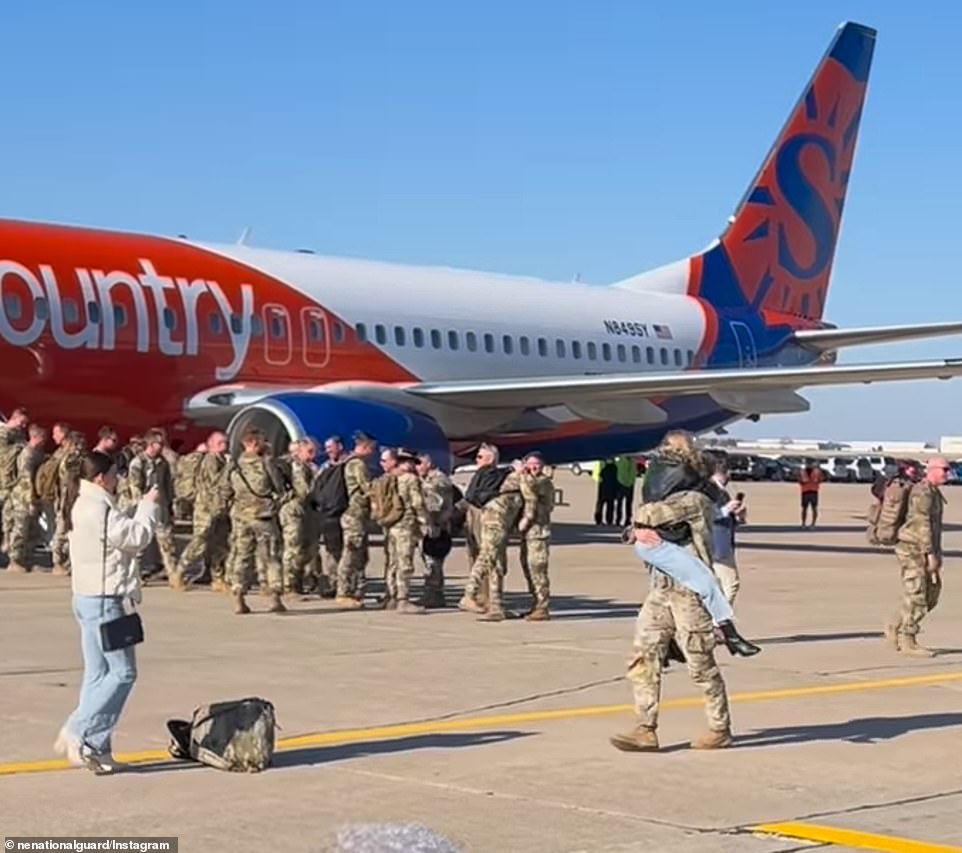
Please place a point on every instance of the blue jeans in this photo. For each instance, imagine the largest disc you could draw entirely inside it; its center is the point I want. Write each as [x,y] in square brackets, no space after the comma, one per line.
[108,676]
[689,571]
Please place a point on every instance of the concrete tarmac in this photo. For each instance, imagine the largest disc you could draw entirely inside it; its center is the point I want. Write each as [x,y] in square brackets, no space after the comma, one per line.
[496,735]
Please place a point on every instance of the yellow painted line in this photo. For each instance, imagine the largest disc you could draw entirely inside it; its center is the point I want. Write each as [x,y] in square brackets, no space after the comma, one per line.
[852,838]
[378,733]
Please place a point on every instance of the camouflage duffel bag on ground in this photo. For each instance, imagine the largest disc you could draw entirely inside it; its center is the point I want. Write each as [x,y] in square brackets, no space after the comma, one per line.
[237,736]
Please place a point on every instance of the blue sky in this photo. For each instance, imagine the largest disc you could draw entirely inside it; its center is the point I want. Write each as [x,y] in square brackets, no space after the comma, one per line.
[548,139]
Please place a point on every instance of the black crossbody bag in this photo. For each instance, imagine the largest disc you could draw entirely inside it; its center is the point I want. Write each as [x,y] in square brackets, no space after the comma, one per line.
[124,631]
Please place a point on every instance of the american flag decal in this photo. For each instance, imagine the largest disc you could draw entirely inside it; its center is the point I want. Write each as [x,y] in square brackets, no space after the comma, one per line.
[663,332]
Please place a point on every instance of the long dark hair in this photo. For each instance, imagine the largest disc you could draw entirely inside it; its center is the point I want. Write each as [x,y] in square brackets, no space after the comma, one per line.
[93,464]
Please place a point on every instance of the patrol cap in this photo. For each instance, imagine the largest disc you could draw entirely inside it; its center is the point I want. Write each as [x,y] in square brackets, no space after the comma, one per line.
[361,437]
[403,454]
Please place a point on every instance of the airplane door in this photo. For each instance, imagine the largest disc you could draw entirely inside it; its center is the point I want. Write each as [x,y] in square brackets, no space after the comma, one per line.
[745,342]
[277,335]
[315,337]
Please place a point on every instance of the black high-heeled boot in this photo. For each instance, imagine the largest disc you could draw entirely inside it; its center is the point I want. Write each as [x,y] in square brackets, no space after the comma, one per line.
[735,642]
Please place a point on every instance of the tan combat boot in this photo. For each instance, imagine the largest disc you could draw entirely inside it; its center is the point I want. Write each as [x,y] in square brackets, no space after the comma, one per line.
[240,606]
[218,585]
[60,571]
[909,646]
[713,740]
[17,569]
[176,581]
[639,739]
[892,636]
[277,603]
[348,602]
[539,613]
[404,605]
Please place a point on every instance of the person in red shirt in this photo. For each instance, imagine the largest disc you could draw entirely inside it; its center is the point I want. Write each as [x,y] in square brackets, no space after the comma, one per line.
[809,480]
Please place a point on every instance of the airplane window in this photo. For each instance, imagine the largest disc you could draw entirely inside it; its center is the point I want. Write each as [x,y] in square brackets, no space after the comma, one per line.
[257,327]
[435,339]
[315,329]
[507,344]
[12,306]
[650,355]
[235,324]
[471,339]
[93,312]
[606,352]
[42,309]
[120,315]
[525,345]
[170,319]
[213,321]
[418,336]
[542,347]
[592,351]
[70,313]
[380,335]
[664,356]
[399,336]
[488,342]
[678,358]
[277,326]
[691,358]
[636,354]
[560,348]
[622,354]
[453,342]
[576,349]
[361,331]
[338,332]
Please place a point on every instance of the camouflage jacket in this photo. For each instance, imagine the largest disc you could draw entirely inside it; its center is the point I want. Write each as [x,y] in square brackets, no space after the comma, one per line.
[923,520]
[438,499]
[505,509]
[690,507]
[69,475]
[208,495]
[301,479]
[12,442]
[538,494]
[357,481]
[415,514]
[25,488]
[253,488]
[145,473]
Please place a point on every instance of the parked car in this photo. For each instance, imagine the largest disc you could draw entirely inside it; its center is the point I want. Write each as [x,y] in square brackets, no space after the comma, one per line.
[745,466]
[791,466]
[839,469]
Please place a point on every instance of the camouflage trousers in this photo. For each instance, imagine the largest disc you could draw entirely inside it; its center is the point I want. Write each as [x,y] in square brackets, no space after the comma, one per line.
[24,535]
[294,547]
[6,518]
[255,547]
[208,541]
[331,549]
[534,564]
[59,547]
[920,590]
[402,543]
[673,611]
[351,578]
[491,564]
[472,534]
[164,536]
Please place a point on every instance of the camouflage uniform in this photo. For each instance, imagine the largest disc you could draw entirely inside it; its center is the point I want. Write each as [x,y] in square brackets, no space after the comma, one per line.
[354,520]
[293,518]
[12,442]
[188,468]
[144,474]
[498,519]
[538,492]
[253,488]
[211,526]
[68,482]
[24,530]
[403,538]
[438,505]
[918,538]
[671,611]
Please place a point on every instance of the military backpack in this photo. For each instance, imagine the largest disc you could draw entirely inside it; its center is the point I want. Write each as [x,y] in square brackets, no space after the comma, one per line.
[48,480]
[387,508]
[236,736]
[886,517]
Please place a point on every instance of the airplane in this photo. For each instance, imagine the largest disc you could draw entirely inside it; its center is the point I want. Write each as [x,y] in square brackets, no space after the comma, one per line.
[136,330]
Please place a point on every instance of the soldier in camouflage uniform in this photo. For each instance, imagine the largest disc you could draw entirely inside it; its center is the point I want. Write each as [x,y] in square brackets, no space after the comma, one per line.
[313,572]
[919,553]
[147,470]
[354,521]
[254,488]
[24,530]
[294,522]
[185,482]
[498,518]
[74,446]
[404,536]
[210,527]
[535,529]
[13,438]
[439,507]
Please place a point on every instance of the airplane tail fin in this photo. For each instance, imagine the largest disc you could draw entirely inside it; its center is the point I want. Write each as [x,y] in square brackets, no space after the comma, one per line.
[776,253]
[778,249]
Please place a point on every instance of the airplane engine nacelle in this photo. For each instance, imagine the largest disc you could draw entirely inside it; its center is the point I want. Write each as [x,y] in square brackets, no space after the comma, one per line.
[288,417]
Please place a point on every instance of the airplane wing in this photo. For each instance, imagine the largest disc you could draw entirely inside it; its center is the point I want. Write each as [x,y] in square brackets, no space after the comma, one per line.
[826,340]
[536,391]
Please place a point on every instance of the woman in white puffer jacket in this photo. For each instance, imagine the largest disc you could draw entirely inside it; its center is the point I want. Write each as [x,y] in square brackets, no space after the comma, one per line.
[104,542]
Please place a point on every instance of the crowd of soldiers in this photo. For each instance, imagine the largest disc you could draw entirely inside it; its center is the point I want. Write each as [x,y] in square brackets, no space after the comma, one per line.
[290,523]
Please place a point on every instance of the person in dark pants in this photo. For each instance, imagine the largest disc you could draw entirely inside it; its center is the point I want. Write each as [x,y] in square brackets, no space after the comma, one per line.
[606,473]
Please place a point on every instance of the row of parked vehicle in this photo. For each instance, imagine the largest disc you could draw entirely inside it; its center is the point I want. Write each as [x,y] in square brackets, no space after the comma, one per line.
[837,469]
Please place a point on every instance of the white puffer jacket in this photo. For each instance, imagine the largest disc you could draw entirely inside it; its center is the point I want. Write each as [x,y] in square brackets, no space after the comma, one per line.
[94,514]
